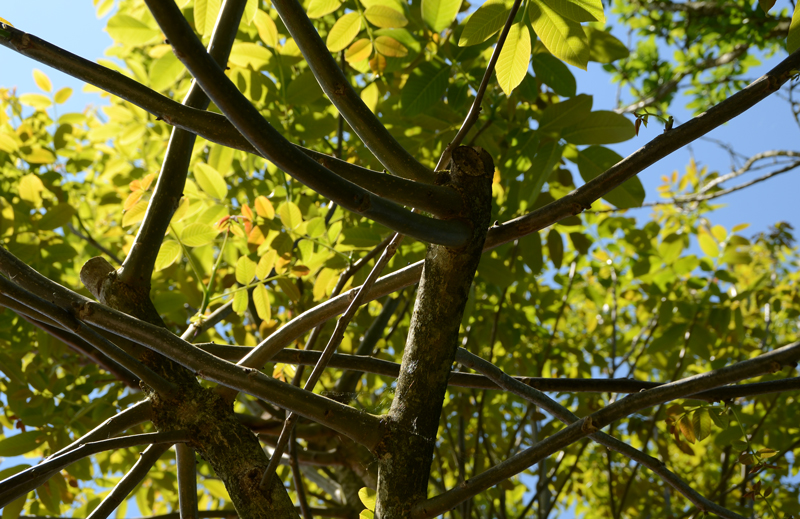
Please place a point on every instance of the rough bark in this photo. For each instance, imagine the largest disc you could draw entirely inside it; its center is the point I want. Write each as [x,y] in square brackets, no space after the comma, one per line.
[413,420]
[229,446]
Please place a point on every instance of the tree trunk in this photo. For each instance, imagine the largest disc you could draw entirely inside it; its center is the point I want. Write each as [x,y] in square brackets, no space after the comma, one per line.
[413,420]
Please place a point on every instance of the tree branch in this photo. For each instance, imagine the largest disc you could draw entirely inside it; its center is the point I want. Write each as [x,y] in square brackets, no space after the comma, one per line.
[338,89]
[212,126]
[271,144]
[138,265]
[768,362]
[187,481]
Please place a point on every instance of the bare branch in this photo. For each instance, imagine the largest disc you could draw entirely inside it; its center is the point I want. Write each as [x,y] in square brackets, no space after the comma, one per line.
[187,481]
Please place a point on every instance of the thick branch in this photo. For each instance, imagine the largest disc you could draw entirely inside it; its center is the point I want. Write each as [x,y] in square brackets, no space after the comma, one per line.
[138,265]
[209,125]
[271,144]
[338,89]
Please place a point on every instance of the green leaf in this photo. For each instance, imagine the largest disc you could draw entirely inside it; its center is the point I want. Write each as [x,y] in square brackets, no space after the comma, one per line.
[135,214]
[439,14]
[552,72]
[319,8]
[485,22]
[210,181]
[547,156]
[289,288]
[604,47]
[594,160]
[303,89]
[707,244]
[367,497]
[267,30]
[425,87]
[291,216]
[555,248]
[62,95]
[250,10]
[165,72]
[343,32]
[512,64]
[563,37]
[20,444]
[390,48]
[168,254]
[601,127]
[250,55]
[240,301]
[566,113]
[265,264]
[198,234]
[56,217]
[793,40]
[130,31]
[205,15]
[261,301]
[30,189]
[578,10]
[385,17]
[701,423]
[245,270]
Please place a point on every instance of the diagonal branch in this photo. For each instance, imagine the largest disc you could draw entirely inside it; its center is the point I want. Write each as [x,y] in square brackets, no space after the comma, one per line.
[541,400]
[271,144]
[768,362]
[338,89]
[213,126]
[138,265]
[27,480]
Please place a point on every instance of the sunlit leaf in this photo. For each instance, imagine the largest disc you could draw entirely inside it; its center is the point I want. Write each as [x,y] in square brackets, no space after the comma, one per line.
[42,81]
[563,37]
[512,65]
[390,47]
[383,16]
[267,30]
[319,8]
[168,254]
[793,40]
[245,270]
[62,95]
[129,31]
[439,14]
[135,214]
[197,234]
[701,423]
[205,15]
[210,181]
[291,216]
[240,301]
[343,32]
[30,189]
[264,208]
[484,23]
[56,217]
[261,301]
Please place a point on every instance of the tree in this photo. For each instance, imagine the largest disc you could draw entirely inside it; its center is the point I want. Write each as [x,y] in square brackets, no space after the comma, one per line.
[234,246]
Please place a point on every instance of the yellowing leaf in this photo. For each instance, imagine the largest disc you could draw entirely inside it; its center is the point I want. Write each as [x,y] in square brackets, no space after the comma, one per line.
[264,208]
[385,17]
[30,189]
[37,101]
[390,47]
[439,14]
[42,81]
[261,300]
[135,214]
[512,65]
[3,20]
[8,142]
[240,301]
[319,8]
[563,37]
[245,270]
[267,30]
[40,156]
[62,95]
[740,227]
[291,217]
[486,21]
[687,429]
[210,181]
[359,51]
[168,254]
[343,32]
[197,234]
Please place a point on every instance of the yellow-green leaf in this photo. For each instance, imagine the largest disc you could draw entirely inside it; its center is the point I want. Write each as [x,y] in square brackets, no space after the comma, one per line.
[168,254]
[30,189]
[319,8]
[289,288]
[707,244]
[367,497]
[267,30]
[130,31]
[197,234]
[486,21]
[291,217]
[62,95]
[323,281]
[390,47]
[3,20]
[56,217]
[578,10]
[37,101]
[245,270]
[343,32]
[564,38]
[261,300]
[205,15]
[793,41]
[8,143]
[42,81]
[165,72]
[686,428]
[369,95]
[250,55]
[439,14]
[359,51]
[135,214]
[250,10]
[40,156]
[701,423]
[210,181]
[264,208]
[604,47]
[21,443]
[240,301]
[512,65]
[265,264]
[385,17]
